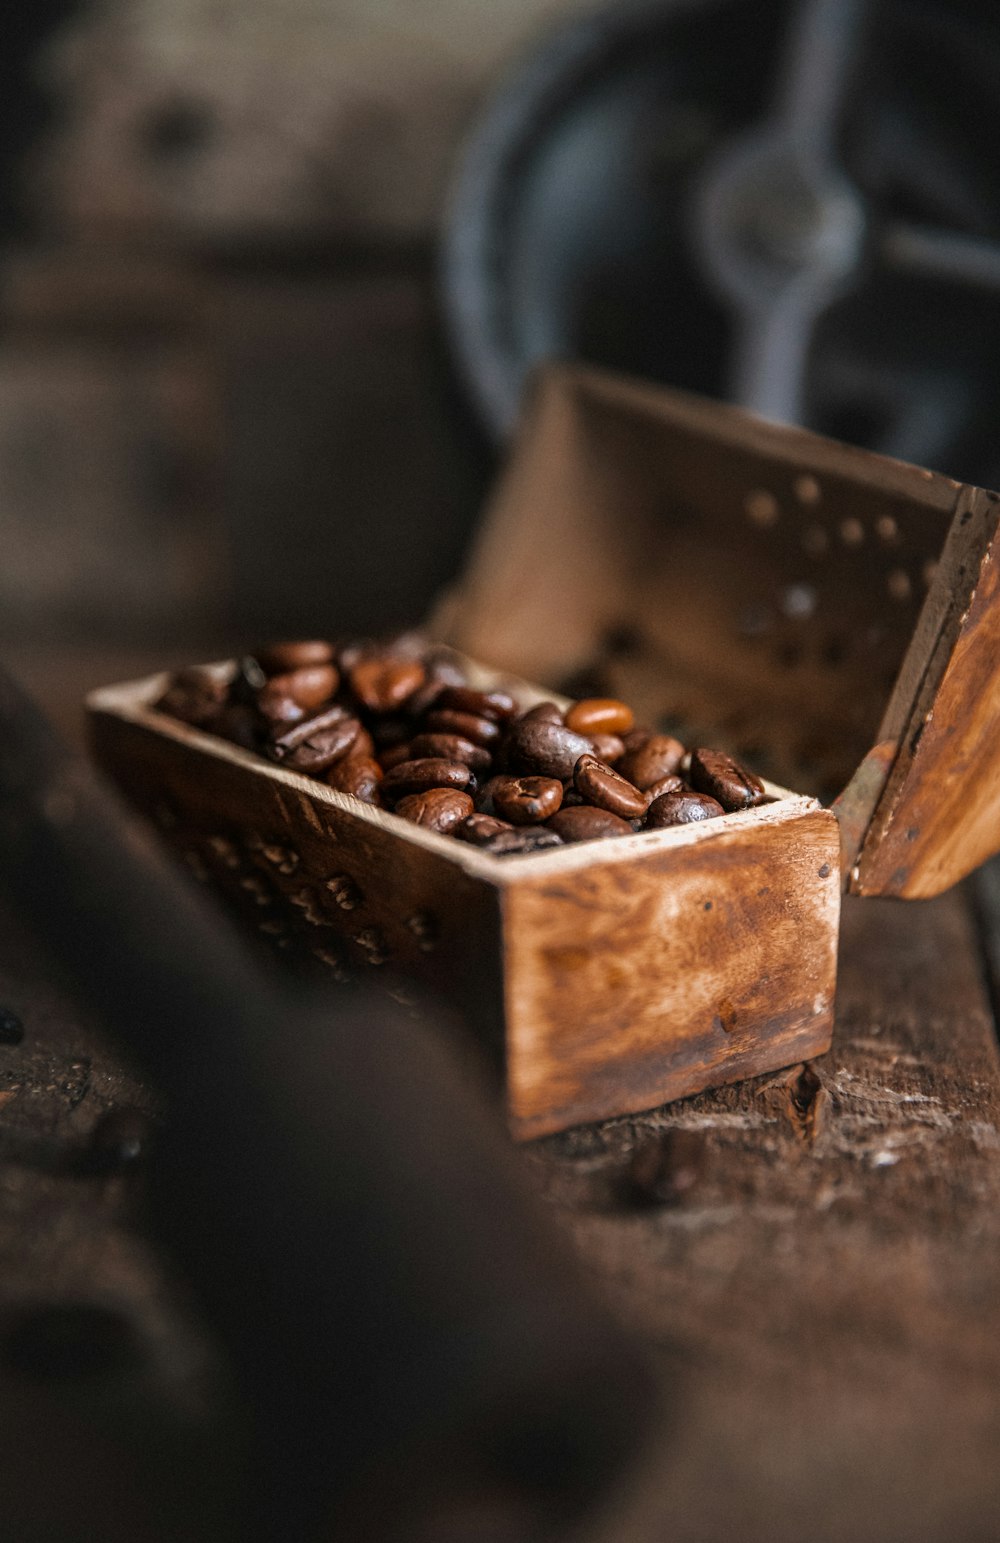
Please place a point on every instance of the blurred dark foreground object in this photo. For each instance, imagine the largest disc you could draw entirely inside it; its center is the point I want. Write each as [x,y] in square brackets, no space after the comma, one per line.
[416,1351]
[789,204]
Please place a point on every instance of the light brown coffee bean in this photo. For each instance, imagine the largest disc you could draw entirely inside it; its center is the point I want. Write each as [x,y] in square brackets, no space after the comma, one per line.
[452,747]
[498,705]
[607,747]
[659,756]
[280,658]
[529,838]
[478,829]
[603,788]
[542,749]
[447,720]
[311,686]
[681,809]
[430,772]
[600,715]
[526,800]
[439,809]
[717,774]
[358,775]
[542,712]
[384,682]
[587,824]
[318,742]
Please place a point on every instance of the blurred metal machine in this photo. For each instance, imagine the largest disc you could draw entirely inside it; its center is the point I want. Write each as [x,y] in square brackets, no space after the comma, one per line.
[796,207]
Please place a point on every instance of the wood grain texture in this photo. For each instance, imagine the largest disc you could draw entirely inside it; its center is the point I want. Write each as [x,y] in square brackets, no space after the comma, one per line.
[818,609]
[939,817]
[824,1298]
[629,984]
[599,978]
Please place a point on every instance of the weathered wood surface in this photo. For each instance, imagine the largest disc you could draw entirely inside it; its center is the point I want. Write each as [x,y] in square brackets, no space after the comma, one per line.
[823,1303]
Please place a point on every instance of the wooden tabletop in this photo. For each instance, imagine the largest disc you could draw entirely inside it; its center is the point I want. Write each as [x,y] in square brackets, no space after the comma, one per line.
[819,1289]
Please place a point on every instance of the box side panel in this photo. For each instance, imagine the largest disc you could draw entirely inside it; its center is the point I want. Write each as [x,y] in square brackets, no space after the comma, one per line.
[940,814]
[630,984]
[362,898]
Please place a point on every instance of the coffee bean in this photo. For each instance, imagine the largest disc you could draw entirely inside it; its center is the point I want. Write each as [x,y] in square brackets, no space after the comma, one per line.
[717,774]
[480,704]
[530,838]
[637,737]
[681,809]
[587,824]
[659,756]
[543,712]
[603,788]
[452,747]
[364,745]
[314,745]
[543,749]
[441,673]
[358,775]
[607,747]
[600,715]
[527,800]
[447,720]
[431,772]
[438,809]
[309,687]
[11,1027]
[480,828]
[279,658]
[194,696]
[384,682]
[672,784]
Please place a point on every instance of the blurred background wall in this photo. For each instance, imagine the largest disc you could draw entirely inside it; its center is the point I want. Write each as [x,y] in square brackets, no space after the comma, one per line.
[224,407]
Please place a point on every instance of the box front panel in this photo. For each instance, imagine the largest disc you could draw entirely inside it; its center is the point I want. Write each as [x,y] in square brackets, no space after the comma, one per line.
[634,982]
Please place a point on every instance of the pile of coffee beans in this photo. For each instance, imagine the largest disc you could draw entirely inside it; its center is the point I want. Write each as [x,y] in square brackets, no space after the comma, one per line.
[399,726]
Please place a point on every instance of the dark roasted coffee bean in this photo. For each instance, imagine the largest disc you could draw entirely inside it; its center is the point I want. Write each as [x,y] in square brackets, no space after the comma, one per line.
[587,824]
[607,747]
[310,687]
[717,774]
[542,749]
[603,788]
[526,800]
[298,732]
[247,681]
[384,682]
[431,772]
[659,756]
[480,704]
[478,829]
[313,746]
[447,720]
[543,712]
[280,711]
[681,809]
[280,658]
[395,756]
[438,809]
[637,737]
[530,838]
[193,696]
[364,745]
[452,747]
[672,784]
[11,1027]
[600,715]
[356,774]
[484,797]
[239,724]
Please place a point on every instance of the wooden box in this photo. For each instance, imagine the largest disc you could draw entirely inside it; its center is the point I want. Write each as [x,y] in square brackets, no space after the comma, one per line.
[825,613]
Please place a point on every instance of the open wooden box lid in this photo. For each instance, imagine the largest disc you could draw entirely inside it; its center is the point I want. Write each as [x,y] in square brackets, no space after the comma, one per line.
[828,614]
